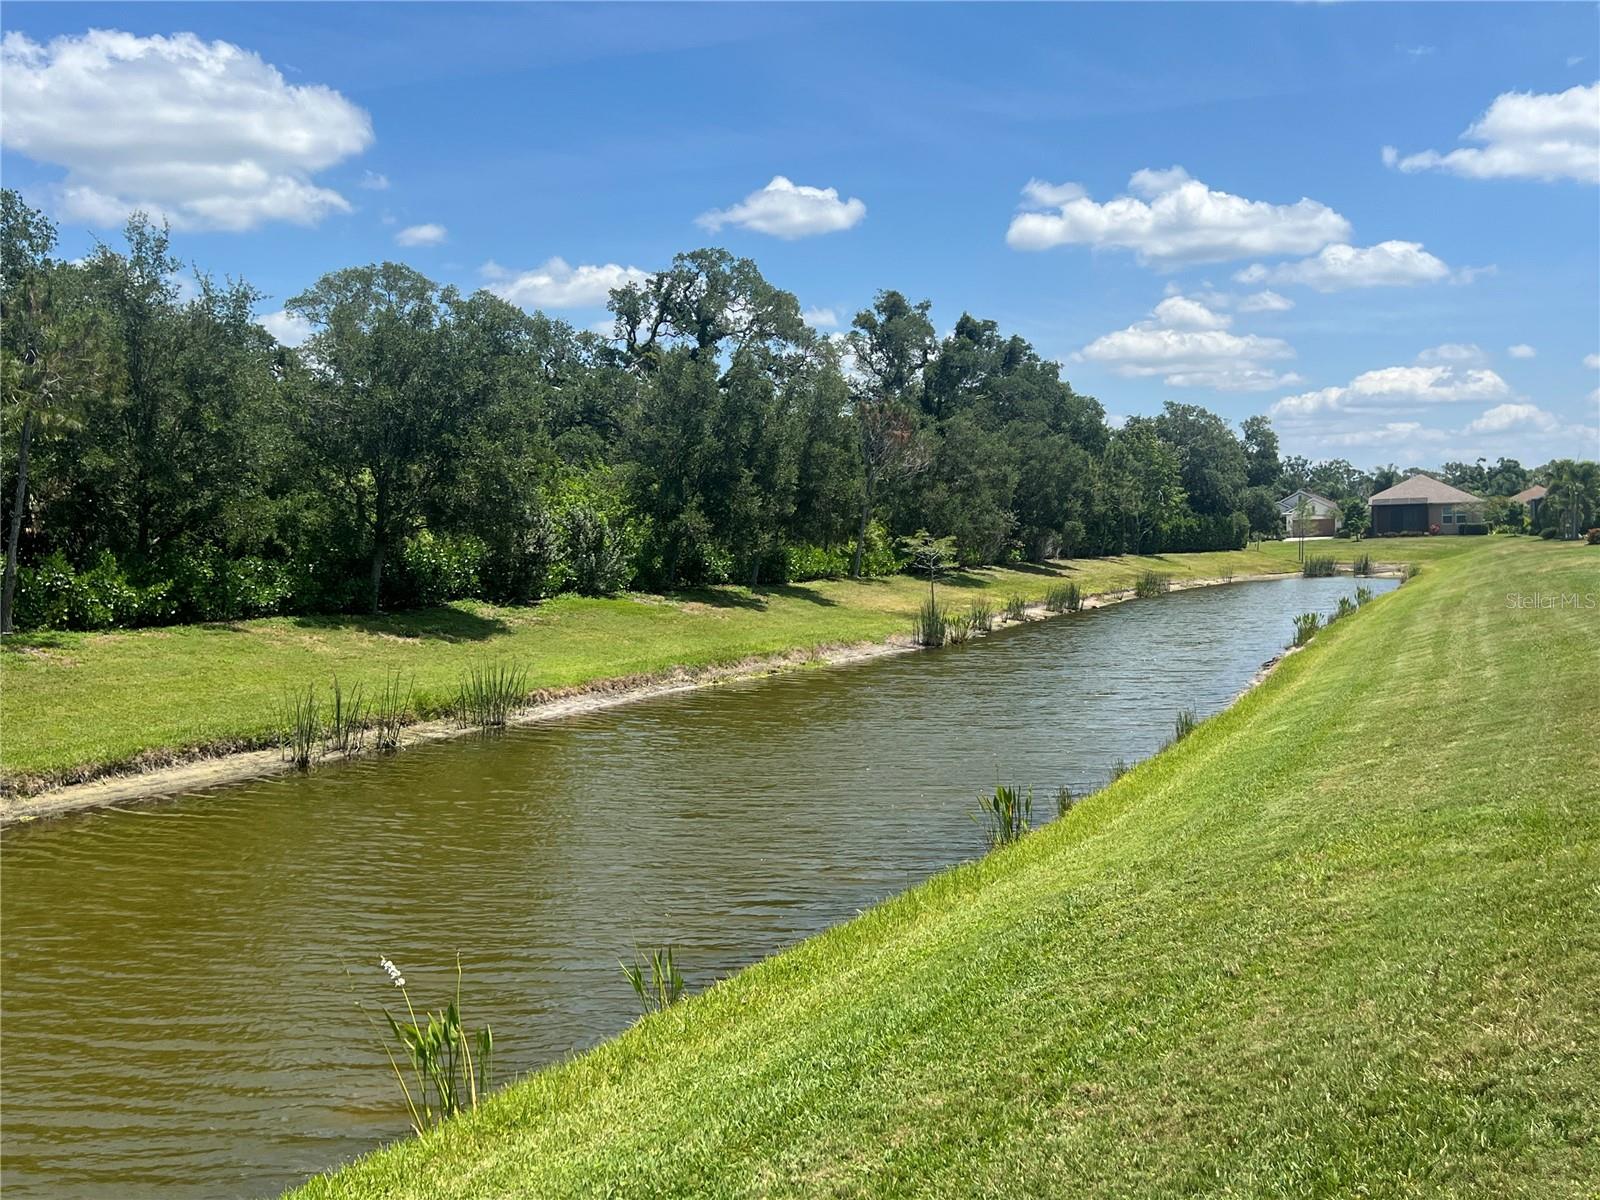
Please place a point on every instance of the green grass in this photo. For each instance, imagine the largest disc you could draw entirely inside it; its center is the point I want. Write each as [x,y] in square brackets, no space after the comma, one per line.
[1338,941]
[76,703]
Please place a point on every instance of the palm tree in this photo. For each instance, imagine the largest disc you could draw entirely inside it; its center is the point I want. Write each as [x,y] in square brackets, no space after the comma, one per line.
[1575,493]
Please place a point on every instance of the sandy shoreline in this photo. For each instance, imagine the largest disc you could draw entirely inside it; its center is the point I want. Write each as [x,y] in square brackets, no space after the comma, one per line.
[203,771]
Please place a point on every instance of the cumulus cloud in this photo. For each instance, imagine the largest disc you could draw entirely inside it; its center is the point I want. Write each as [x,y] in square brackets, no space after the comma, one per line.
[1388,387]
[1513,416]
[1170,218]
[1267,301]
[203,134]
[1592,361]
[1521,350]
[290,329]
[555,284]
[788,210]
[373,181]
[1457,352]
[1338,267]
[422,235]
[1188,344]
[820,318]
[1524,135]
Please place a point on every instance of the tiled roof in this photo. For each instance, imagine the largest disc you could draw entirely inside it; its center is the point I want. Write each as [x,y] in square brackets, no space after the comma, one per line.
[1422,489]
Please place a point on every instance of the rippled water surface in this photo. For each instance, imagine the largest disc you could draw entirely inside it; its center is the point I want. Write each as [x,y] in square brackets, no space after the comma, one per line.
[181,979]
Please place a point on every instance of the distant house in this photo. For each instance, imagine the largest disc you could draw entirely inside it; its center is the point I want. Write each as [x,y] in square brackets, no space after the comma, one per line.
[1323,517]
[1532,499]
[1421,504]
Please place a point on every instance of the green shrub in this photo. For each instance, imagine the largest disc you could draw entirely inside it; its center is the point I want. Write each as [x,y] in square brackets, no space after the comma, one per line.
[599,557]
[438,568]
[806,561]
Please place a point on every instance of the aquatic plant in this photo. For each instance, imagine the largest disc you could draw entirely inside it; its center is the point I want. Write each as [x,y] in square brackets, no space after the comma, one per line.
[448,1076]
[1318,566]
[1152,584]
[389,713]
[1119,768]
[1185,724]
[1305,627]
[1410,571]
[958,628]
[981,614]
[1362,565]
[1363,594]
[487,695]
[1016,607]
[1064,800]
[1345,607]
[931,625]
[1064,597]
[346,728]
[301,725]
[655,979]
[1007,813]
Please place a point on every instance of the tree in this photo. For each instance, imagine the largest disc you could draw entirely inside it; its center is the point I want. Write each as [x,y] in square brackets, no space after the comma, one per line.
[1574,494]
[1355,516]
[891,345]
[1142,483]
[382,416]
[47,359]
[1261,452]
[1211,457]
[1261,510]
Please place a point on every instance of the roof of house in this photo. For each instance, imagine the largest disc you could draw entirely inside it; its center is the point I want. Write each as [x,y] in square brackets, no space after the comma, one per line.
[1309,495]
[1422,489]
[1536,492]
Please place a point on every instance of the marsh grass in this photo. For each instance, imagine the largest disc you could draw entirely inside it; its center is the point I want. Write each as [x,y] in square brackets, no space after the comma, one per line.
[1318,566]
[1119,768]
[1345,607]
[488,694]
[1184,724]
[1363,594]
[1362,565]
[1410,571]
[1064,800]
[390,711]
[1152,583]
[1006,814]
[346,728]
[447,1075]
[958,628]
[655,979]
[301,726]
[1305,627]
[1016,607]
[1064,597]
[981,614]
[931,625]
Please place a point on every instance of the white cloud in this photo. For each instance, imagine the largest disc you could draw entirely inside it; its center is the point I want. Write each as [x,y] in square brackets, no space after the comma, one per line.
[555,284]
[820,318]
[1525,135]
[1268,301]
[1178,220]
[1458,352]
[422,235]
[1387,434]
[373,181]
[1389,387]
[203,134]
[1338,267]
[289,328]
[1521,350]
[788,210]
[1592,361]
[1512,416]
[1188,344]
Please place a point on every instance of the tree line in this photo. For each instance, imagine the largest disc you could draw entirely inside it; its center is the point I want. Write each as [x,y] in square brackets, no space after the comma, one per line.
[170,460]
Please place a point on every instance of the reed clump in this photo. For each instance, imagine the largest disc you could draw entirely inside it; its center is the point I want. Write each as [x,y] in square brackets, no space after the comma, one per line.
[1152,583]
[655,979]
[1306,626]
[346,728]
[1064,598]
[1119,768]
[1362,565]
[487,695]
[1184,724]
[391,708]
[958,628]
[931,625]
[1016,607]
[301,725]
[981,615]
[1318,566]
[1064,800]
[1006,813]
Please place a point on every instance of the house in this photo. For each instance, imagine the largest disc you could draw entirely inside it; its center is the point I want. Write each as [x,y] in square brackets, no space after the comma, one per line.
[1323,515]
[1533,499]
[1423,504]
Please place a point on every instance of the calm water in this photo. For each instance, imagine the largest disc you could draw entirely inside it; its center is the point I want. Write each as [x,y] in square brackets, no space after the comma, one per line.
[181,979]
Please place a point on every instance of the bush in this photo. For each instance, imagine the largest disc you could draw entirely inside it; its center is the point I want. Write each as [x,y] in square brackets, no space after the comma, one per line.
[1548,532]
[1473,529]
[806,561]
[437,568]
[599,558]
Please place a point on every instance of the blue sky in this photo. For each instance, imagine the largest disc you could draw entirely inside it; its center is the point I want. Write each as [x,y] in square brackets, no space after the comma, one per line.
[1368,298]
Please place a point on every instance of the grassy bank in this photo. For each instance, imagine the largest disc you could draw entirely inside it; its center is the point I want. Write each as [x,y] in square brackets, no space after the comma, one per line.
[1340,941]
[75,703]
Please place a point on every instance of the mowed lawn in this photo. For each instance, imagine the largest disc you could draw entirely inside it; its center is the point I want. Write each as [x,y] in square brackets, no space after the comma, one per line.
[76,703]
[1344,940]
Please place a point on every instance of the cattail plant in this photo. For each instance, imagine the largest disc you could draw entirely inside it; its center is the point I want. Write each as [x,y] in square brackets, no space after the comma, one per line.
[1064,597]
[931,625]
[486,696]
[1016,607]
[301,725]
[981,615]
[1152,584]
[655,979]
